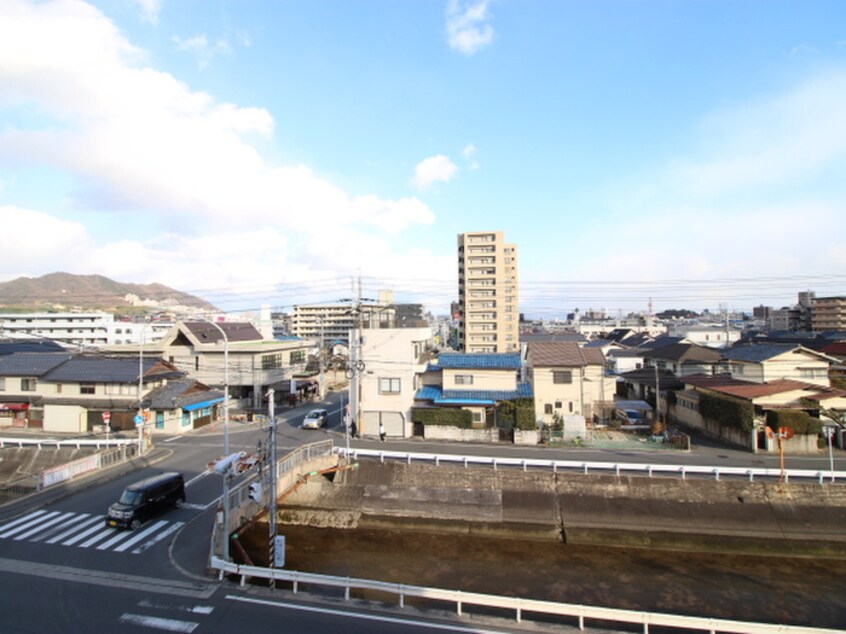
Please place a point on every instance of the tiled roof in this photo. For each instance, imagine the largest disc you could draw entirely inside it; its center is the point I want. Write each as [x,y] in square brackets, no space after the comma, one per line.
[32,364]
[713,381]
[757,390]
[836,349]
[99,369]
[493,361]
[685,353]
[646,376]
[565,354]
[14,346]
[758,352]
[533,337]
[235,331]
[178,393]
[660,342]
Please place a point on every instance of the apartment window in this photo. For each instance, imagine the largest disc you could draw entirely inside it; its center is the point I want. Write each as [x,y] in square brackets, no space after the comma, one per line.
[28,385]
[562,376]
[298,356]
[390,386]
[58,388]
[464,379]
[558,404]
[547,408]
[87,388]
[571,407]
[271,362]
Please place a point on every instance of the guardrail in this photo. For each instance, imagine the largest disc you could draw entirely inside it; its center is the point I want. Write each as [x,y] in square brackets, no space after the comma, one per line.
[579,613]
[616,468]
[73,442]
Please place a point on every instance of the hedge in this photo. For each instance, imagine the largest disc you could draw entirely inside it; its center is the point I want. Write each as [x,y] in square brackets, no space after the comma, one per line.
[730,412]
[798,420]
[452,416]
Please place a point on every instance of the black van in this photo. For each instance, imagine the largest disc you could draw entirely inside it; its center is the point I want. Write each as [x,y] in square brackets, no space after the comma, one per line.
[145,499]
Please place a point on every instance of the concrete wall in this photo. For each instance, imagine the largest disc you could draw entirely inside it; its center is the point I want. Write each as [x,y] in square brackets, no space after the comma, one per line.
[64,418]
[448,432]
[734,516]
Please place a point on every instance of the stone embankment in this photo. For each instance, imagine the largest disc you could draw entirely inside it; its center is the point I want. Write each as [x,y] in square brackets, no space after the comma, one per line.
[727,515]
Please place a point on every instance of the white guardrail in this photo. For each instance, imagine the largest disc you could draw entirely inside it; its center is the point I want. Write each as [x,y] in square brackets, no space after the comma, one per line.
[77,443]
[580,613]
[617,468]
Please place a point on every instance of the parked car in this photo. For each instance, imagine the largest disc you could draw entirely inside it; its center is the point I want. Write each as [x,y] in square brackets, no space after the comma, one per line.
[315,419]
[630,417]
[146,499]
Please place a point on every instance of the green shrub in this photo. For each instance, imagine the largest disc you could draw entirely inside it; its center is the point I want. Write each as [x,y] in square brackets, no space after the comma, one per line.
[524,410]
[727,411]
[798,420]
[451,416]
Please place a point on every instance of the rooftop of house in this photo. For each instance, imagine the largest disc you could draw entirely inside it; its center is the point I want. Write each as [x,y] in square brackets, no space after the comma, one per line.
[440,396]
[563,354]
[758,352]
[207,332]
[101,369]
[684,353]
[472,361]
[32,364]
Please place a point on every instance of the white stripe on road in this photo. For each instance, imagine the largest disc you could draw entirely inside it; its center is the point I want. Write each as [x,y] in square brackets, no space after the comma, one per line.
[169,625]
[106,532]
[33,520]
[366,617]
[199,476]
[83,535]
[195,507]
[121,535]
[171,529]
[74,520]
[81,523]
[140,536]
[43,525]
[194,609]
[26,518]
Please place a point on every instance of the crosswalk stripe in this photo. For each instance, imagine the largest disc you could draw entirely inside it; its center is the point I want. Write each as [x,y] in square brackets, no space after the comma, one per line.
[83,521]
[121,535]
[43,526]
[105,532]
[169,625]
[160,536]
[22,520]
[27,525]
[80,536]
[140,536]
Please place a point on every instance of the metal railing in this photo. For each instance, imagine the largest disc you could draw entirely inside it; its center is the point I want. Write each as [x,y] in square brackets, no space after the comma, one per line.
[76,443]
[615,468]
[521,607]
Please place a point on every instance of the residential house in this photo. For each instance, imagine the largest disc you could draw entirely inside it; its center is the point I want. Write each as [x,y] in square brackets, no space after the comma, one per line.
[568,380]
[709,335]
[683,359]
[765,363]
[477,382]
[391,361]
[234,354]
[181,405]
[71,393]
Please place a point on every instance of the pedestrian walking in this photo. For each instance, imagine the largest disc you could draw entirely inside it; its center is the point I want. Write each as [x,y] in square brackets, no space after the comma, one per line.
[382,432]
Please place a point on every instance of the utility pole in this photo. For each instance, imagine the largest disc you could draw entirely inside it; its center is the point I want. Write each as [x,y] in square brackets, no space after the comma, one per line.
[271,503]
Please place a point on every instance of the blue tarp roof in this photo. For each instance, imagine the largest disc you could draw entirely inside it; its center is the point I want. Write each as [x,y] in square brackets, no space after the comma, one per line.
[497,361]
[440,396]
[202,404]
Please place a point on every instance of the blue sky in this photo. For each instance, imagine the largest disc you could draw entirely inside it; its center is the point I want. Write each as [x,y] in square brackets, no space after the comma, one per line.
[256,152]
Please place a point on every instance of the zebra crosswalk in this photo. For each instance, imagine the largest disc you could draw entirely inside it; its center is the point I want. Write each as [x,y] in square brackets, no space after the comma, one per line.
[84,530]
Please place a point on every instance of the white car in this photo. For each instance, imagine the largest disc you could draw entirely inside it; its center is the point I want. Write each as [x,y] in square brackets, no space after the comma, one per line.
[315,419]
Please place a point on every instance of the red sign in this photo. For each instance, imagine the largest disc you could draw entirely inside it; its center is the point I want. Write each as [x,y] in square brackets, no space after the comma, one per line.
[106,416]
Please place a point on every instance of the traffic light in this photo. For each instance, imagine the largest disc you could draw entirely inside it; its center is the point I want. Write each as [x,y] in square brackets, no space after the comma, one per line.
[255,492]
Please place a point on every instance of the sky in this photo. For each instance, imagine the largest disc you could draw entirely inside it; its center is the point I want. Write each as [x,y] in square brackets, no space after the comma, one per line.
[687,152]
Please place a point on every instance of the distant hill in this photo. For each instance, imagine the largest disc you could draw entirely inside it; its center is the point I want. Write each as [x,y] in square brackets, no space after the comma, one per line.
[63,291]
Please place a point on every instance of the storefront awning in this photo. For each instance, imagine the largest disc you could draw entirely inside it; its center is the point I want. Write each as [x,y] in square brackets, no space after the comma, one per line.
[14,407]
[202,404]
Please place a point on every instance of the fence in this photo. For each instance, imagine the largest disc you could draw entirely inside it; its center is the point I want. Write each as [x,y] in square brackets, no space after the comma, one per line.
[58,444]
[52,476]
[616,468]
[520,607]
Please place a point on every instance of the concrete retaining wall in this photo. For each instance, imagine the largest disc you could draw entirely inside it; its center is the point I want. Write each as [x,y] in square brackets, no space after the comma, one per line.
[659,512]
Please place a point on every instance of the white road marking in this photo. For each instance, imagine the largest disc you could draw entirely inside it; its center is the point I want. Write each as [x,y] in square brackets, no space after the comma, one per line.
[149,531]
[21,520]
[106,532]
[195,507]
[79,537]
[33,521]
[81,523]
[155,622]
[365,617]
[199,476]
[120,536]
[170,530]
[42,526]
[194,609]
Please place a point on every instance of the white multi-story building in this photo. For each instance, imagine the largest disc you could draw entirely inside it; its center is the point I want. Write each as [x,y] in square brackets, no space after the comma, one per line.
[488,294]
[333,322]
[74,329]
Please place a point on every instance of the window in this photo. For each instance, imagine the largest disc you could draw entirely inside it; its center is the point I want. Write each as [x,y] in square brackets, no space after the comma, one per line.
[547,408]
[271,362]
[557,404]
[477,417]
[571,407]
[58,388]
[389,386]
[86,389]
[562,376]
[28,385]
[298,356]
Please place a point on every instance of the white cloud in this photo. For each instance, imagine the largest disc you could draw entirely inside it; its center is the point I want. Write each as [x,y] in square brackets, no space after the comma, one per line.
[49,243]
[201,48]
[433,170]
[467,25]
[469,152]
[134,138]
[150,10]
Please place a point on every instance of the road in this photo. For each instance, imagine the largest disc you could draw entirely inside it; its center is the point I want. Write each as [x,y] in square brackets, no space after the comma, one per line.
[66,571]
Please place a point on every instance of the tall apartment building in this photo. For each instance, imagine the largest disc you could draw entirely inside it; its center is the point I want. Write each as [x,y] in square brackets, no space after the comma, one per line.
[488,293]
[828,313]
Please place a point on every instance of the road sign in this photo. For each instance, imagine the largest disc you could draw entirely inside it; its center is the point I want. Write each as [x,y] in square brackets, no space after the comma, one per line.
[106,417]
[139,420]
[279,552]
